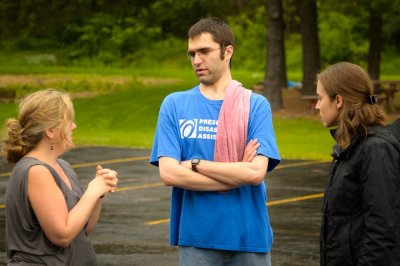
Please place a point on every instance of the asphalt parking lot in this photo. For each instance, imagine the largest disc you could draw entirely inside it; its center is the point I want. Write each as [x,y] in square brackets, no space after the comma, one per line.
[134,225]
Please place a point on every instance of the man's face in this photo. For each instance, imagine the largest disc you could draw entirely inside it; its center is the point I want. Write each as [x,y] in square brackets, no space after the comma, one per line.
[205,56]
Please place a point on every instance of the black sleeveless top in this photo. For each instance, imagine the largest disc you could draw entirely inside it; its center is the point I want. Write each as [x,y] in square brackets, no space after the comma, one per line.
[25,240]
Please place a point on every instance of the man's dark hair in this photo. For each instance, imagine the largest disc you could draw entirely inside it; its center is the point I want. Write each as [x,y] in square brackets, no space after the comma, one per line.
[219,30]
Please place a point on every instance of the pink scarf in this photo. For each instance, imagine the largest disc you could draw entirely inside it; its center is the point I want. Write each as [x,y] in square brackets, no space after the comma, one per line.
[232,124]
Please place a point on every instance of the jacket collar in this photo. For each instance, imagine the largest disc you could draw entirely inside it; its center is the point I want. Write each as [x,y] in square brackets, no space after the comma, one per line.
[338,152]
[390,133]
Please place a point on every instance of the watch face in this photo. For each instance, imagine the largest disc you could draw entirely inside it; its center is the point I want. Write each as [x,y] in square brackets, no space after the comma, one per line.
[195,162]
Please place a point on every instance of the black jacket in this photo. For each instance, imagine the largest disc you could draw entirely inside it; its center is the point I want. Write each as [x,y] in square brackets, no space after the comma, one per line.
[361,211]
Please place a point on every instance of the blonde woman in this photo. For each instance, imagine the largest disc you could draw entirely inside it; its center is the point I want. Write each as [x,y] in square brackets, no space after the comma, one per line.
[361,211]
[48,214]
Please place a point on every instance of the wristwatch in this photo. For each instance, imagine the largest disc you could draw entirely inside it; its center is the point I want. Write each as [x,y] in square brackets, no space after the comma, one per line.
[195,162]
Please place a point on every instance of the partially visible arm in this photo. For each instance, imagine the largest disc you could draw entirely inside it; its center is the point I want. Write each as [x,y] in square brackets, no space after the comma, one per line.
[214,176]
[251,150]
[234,174]
[60,225]
[94,216]
[174,174]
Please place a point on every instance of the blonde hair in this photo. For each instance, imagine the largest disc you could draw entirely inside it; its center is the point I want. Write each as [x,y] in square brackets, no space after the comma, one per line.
[38,111]
[354,85]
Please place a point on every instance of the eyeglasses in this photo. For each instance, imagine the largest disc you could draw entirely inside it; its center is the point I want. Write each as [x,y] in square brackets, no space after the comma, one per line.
[203,52]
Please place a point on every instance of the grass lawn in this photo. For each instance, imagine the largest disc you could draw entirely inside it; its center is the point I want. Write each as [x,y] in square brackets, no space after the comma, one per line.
[303,138]
[119,107]
[127,117]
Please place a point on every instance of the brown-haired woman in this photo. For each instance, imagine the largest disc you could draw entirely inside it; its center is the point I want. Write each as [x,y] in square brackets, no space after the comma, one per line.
[361,210]
[48,214]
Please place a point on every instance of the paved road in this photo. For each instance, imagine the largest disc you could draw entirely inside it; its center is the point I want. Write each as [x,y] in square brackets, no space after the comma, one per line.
[134,228]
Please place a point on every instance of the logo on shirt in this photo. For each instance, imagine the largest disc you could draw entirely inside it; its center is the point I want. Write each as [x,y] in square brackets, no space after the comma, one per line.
[198,128]
[188,128]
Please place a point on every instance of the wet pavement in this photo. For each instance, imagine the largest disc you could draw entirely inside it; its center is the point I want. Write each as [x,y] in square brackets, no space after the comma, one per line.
[134,227]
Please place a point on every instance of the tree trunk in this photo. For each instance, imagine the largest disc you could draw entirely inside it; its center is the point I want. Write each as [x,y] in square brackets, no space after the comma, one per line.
[310,45]
[240,5]
[375,43]
[275,72]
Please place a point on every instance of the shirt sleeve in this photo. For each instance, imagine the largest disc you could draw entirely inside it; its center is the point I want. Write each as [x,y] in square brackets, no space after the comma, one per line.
[166,139]
[261,128]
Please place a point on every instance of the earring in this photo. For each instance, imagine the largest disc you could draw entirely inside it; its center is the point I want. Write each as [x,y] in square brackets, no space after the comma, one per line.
[51,146]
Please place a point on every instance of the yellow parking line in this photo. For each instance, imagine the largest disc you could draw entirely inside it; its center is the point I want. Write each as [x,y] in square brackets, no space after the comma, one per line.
[158,222]
[121,160]
[81,165]
[159,184]
[4,174]
[307,197]
[141,158]
[271,203]
[289,165]
[137,187]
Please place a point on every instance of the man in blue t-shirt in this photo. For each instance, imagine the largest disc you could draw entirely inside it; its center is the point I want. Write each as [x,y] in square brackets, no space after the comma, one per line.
[218,209]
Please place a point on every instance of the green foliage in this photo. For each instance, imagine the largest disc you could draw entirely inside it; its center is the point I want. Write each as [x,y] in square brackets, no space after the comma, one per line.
[251,39]
[170,53]
[27,42]
[152,33]
[390,63]
[93,37]
[293,53]
[107,39]
[339,40]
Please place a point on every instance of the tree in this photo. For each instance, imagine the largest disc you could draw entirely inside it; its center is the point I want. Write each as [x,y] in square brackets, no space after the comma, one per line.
[375,44]
[310,44]
[275,71]
[376,10]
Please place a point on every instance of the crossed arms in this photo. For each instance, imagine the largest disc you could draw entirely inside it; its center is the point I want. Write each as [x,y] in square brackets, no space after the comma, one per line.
[215,176]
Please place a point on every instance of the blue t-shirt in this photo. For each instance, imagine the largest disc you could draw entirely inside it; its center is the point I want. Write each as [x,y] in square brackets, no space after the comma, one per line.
[237,220]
